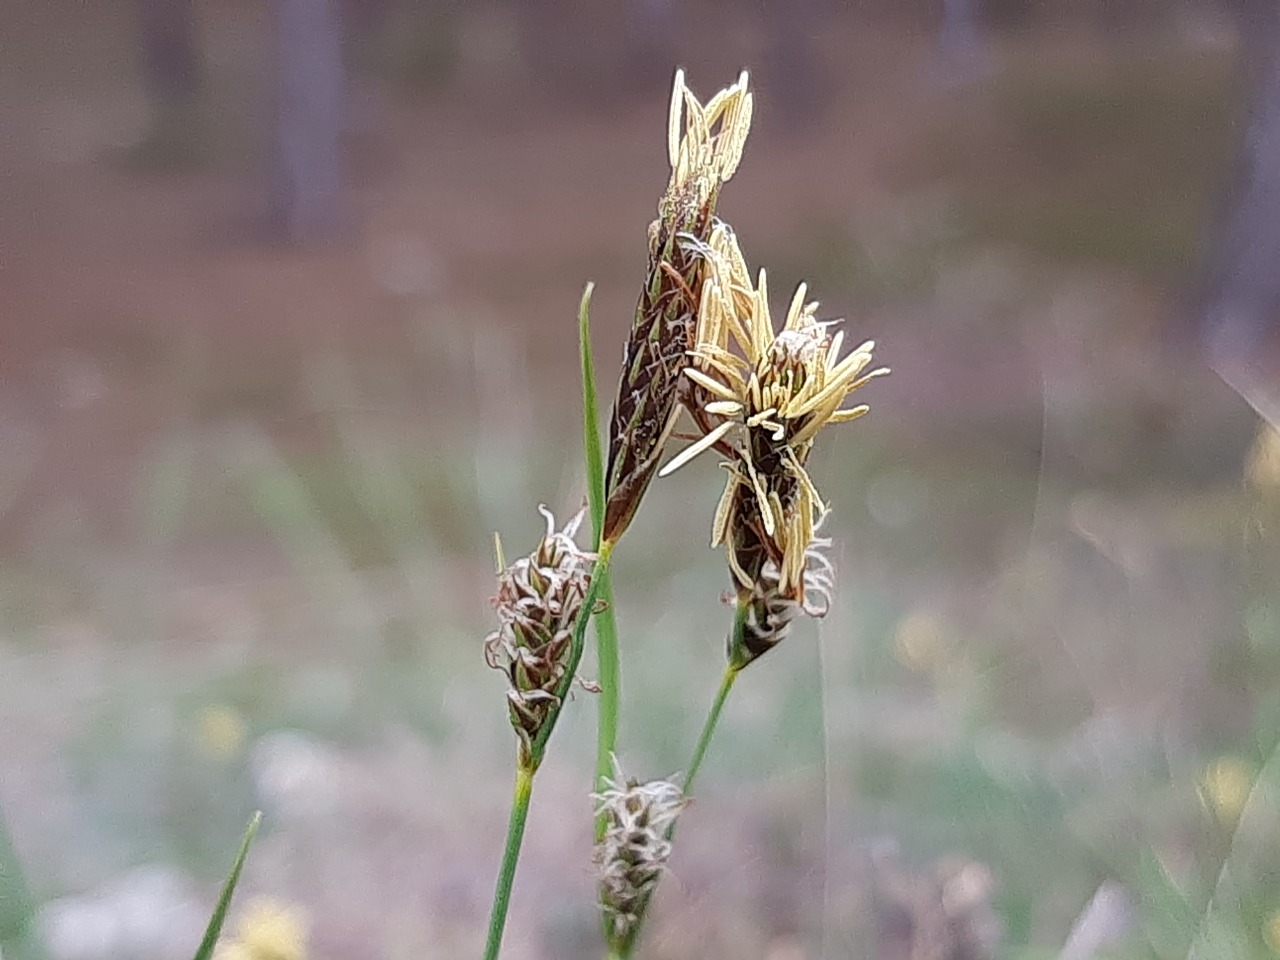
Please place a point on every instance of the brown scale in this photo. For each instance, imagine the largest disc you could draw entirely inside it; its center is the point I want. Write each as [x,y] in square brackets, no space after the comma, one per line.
[767,455]
[752,549]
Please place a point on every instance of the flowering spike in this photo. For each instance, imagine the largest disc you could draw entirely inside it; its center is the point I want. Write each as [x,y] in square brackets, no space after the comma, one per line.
[762,395]
[704,146]
[538,603]
[632,854]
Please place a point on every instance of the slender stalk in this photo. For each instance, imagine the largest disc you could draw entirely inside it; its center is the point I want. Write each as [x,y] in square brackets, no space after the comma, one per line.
[610,691]
[607,712]
[510,856]
[624,950]
[709,727]
[731,671]
[606,622]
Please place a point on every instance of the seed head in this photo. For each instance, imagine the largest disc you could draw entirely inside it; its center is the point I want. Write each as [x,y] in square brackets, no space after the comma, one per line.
[538,603]
[633,852]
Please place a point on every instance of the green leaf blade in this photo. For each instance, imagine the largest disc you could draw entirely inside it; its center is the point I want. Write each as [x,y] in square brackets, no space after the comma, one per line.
[214,930]
[591,445]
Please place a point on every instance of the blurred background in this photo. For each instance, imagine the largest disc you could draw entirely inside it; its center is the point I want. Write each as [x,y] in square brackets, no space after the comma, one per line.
[287,330]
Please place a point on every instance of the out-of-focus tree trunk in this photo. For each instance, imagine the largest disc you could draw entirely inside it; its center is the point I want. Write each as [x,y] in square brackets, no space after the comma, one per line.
[793,65]
[306,185]
[1256,24]
[1239,319]
[169,54]
[170,62]
[596,52]
[960,43]
[650,33]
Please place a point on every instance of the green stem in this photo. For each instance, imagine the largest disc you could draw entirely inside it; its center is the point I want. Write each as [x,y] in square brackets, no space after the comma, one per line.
[709,727]
[623,950]
[510,856]
[610,691]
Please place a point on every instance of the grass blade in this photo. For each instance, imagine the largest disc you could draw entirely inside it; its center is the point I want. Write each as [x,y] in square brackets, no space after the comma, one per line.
[591,445]
[214,930]
[606,623]
[17,907]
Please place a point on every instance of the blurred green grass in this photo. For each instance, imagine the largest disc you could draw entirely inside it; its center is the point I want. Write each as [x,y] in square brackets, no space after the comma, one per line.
[378,536]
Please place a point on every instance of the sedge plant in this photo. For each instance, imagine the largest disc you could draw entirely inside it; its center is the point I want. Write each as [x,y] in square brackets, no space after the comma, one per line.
[703,348]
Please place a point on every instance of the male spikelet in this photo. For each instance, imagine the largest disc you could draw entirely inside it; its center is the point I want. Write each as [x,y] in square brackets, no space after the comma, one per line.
[704,144]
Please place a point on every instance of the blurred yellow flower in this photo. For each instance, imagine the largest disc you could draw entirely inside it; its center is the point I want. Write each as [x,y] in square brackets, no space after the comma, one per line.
[1225,786]
[268,930]
[220,731]
[1271,932]
[1262,469]
[920,642]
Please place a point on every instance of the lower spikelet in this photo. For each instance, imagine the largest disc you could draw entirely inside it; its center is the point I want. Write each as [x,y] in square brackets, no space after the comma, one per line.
[632,854]
[538,603]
